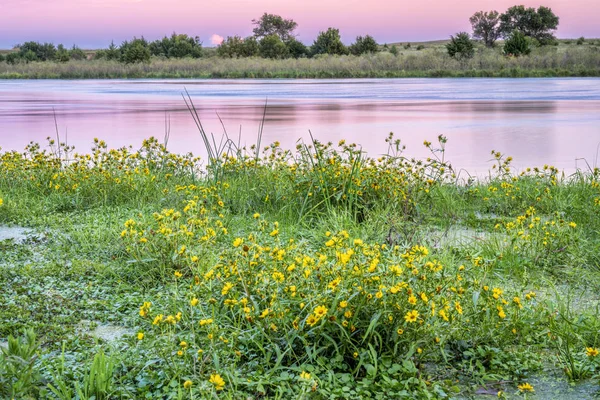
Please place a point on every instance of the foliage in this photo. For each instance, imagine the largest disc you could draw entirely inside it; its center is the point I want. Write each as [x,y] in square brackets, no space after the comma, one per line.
[177,46]
[364,45]
[235,47]
[329,42]
[135,51]
[271,46]
[34,51]
[485,26]
[461,46]
[62,54]
[538,24]
[271,24]
[77,54]
[296,48]
[517,44]
[580,41]
[394,50]
[18,376]
[111,53]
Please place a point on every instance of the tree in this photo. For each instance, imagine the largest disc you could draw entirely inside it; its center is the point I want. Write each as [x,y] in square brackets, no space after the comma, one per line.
[461,46]
[272,46]
[34,51]
[329,42]
[394,50]
[538,24]
[77,54]
[177,46]
[271,24]
[235,46]
[364,45]
[296,49]
[135,51]
[62,54]
[516,44]
[1,57]
[485,26]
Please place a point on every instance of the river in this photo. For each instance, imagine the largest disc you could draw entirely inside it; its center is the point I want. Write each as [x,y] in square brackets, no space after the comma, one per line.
[536,121]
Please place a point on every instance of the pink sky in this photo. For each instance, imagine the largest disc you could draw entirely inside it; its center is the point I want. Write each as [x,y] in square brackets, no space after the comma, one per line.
[93,23]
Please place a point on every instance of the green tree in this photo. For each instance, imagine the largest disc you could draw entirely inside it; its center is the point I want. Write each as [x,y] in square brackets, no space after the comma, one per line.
[296,49]
[516,44]
[34,51]
[77,54]
[461,46]
[363,45]
[177,46]
[271,24]
[272,46]
[135,51]
[62,54]
[394,50]
[539,24]
[235,46]
[2,58]
[13,58]
[485,26]
[329,42]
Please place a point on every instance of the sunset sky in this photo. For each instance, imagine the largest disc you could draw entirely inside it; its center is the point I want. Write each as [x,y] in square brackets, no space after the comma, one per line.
[93,23]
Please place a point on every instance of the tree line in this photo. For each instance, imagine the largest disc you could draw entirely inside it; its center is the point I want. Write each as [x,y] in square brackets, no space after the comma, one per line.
[521,28]
[274,37]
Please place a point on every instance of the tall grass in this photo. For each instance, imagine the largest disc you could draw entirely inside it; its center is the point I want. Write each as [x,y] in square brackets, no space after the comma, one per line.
[431,62]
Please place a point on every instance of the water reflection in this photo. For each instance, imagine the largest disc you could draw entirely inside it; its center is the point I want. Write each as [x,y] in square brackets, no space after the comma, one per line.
[555,122]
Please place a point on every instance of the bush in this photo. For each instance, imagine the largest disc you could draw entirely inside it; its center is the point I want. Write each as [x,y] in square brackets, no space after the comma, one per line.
[461,46]
[517,44]
[329,42]
[296,49]
[580,41]
[364,45]
[177,46]
[235,46]
[272,46]
[62,54]
[420,47]
[135,51]
[394,50]
[34,51]
[2,58]
[77,54]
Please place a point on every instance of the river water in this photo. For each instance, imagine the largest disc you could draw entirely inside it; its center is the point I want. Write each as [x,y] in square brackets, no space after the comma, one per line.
[537,121]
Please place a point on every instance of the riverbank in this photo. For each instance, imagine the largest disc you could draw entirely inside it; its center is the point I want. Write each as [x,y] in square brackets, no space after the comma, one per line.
[315,273]
[550,61]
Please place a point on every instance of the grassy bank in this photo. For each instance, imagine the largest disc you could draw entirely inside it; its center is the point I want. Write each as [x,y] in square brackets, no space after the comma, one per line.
[317,273]
[432,61]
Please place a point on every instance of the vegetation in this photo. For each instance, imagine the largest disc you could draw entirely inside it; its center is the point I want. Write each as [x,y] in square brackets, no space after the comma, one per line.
[329,42]
[461,47]
[317,272]
[538,24]
[517,44]
[433,61]
[485,26]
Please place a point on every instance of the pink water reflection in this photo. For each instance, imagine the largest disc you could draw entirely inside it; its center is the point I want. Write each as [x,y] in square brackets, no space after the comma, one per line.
[534,132]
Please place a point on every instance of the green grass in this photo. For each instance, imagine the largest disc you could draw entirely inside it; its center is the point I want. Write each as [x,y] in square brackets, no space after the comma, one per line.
[260,243]
[565,60]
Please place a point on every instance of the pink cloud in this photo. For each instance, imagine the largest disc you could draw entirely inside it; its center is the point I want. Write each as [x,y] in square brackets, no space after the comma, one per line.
[216,39]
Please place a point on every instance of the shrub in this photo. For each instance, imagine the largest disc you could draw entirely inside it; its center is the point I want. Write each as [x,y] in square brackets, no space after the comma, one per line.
[394,50]
[34,51]
[62,54]
[77,54]
[271,46]
[177,46]
[420,47]
[364,45]
[461,46]
[235,46]
[135,51]
[296,49]
[2,58]
[517,44]
[580,41]
[329,42]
